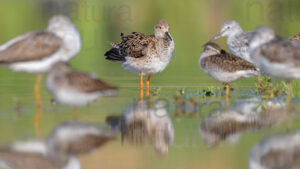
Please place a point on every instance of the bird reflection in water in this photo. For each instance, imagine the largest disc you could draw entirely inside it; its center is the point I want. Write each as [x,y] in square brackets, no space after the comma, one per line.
[146,122]
[227,124]
[279,151]
[59,151]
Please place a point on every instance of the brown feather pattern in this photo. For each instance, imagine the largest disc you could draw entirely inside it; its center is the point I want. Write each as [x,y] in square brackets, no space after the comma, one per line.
[227,62]
[296,38]
[136,45]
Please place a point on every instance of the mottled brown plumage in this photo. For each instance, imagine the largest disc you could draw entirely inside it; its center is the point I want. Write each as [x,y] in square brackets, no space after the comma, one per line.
[225,61]
[35,46]
[135,45]
[296,38]
[140,46]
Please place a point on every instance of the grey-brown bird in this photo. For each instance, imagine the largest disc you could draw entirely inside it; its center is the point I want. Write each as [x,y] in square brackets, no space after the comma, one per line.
[37,51]
[224,67]
[75,89]
[144,54]
[275,56]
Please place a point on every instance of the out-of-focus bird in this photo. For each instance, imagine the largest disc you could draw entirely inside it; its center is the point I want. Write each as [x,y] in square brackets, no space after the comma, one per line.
[37,51]
[75,89]
[275,56]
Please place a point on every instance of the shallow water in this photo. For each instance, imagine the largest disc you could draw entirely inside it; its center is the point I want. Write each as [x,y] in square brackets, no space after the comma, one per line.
[208,131]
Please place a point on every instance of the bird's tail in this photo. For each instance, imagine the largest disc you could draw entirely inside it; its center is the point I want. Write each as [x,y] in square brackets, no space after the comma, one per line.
[114,55]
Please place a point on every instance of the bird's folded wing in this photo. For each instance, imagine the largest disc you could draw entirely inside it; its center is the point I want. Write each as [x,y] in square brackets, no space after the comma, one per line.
[282,52]
[84,82]
[34,46]
[136,45]
[231,63]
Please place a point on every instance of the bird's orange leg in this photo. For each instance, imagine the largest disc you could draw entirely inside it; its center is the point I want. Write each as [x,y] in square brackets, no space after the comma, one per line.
[148,85]
[227,93]
[141,87]
[38,104]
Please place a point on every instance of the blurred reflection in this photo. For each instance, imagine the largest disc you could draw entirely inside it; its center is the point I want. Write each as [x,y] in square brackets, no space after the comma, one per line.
[276,152]
[227,124]
[58,151]
[146,122]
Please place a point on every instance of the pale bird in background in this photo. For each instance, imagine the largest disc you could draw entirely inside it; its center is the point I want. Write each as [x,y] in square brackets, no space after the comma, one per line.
[59,151]
[225,67]
[75,89]
[275,56]
[144,54]
[237,39]
[36,52]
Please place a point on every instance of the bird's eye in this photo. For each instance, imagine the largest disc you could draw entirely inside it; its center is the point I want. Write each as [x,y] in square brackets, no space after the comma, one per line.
[160,27]
[228,27]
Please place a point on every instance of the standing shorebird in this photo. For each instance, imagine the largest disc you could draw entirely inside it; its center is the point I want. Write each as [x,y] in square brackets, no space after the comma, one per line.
[59,151]
[277,57]
[144,54]
[224,67]
[237,41]
[36,52]
[74,88]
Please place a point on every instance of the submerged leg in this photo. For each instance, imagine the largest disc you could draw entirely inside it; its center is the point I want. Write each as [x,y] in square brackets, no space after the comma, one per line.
[148,85]
[141,87]
[38,104]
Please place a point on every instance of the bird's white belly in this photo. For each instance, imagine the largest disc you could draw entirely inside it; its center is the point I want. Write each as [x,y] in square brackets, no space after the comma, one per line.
[75,98]
[39,66]
[227,77]
[73,163]
[278,70]
[148,67]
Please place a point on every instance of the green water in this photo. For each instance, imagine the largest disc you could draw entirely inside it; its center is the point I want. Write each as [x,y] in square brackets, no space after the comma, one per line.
[192,24]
